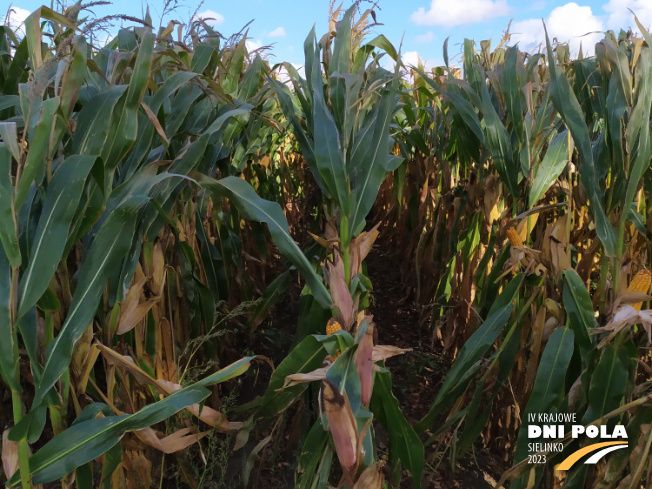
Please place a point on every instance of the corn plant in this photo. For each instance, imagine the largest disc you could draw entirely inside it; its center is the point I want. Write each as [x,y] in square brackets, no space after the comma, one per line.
[561,149]
[342,123]
[96,146]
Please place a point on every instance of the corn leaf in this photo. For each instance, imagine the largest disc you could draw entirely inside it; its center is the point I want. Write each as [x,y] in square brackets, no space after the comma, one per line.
[270,213]
[107,251]
[62,198]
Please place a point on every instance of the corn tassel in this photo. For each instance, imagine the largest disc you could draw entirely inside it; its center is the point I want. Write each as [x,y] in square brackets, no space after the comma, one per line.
[640,283]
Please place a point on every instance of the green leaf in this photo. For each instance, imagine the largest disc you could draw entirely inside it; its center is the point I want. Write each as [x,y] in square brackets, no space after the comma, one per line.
[311,453]
[305,357]
[550,168]
[8,236]
[381,42]
[608,385]
[569,108]
[579,308]
[61,201]
[512,92]
[342,50]
[244,197]
[112,242]
[499,144]
[38,150]
[10,138]
[87,440]
[371,158]
[328,153]
[548,389]
[402,436]
[462,106]
[472,351]
[7,363]
[74,77]
[270,297]
[344,375]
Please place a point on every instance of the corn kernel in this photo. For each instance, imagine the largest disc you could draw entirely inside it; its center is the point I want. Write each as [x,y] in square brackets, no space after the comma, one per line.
[514,238]
[332,326]
[640,283]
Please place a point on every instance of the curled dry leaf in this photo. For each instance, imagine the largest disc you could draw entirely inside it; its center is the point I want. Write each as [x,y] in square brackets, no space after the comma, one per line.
[175,442]
[372,477]
[158,269]
[631,298]
[379,353]
[9,455]
[526,224]
[133,311]
[208,415]
[341,424]
[364,364]
[360,248]
[492,196]
[80,353]
[330,232]
[383,352]
[295,379]
[555,243]
[625,317]
[340,293]
[323,242]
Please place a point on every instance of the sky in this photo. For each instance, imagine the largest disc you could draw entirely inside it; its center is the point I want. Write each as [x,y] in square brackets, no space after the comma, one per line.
[418,27]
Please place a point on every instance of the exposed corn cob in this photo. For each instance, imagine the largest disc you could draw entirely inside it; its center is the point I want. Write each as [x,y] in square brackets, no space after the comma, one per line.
[514,238]
[640,283]
[332,326]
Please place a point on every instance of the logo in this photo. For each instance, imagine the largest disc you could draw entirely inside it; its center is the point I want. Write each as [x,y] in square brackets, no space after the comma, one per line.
[593,459]
[559,426]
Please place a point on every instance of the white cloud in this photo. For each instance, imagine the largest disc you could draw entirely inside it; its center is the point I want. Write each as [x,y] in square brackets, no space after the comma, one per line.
[253,44]
[211,17]
[284,77]
[278,32]
[15,18]
[425,38]
[569,23]
[449,13]
[621,18]
[413,58]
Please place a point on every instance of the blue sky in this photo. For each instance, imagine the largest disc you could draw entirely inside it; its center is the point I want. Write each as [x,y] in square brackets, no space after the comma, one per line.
[421,25]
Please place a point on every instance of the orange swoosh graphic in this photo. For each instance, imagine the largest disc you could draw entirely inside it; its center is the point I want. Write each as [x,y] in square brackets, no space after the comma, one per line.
[575,456]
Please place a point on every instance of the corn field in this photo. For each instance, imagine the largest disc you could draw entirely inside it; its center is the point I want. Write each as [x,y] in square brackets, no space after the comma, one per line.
[188,295]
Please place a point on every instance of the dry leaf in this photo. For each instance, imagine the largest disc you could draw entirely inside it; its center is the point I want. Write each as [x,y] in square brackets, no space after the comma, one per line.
[372,477]
[175,442]
[340,293]
[364,364]
[295,379]
[208,415]
[341,424]
[383,352]
[9,455]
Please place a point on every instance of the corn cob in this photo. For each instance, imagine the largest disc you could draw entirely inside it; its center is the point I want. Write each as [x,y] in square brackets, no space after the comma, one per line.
[640,283]
[333,326]
[514,238]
